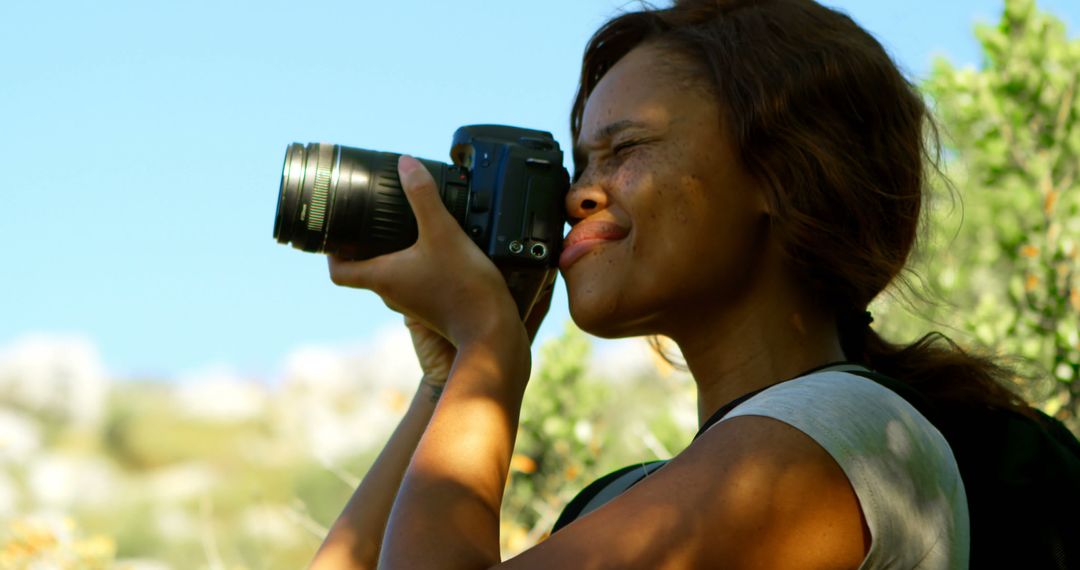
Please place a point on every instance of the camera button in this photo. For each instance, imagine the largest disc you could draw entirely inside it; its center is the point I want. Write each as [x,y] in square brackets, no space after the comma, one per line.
[481,202]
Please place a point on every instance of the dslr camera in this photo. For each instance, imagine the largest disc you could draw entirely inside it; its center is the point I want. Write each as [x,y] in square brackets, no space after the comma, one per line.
[506,188]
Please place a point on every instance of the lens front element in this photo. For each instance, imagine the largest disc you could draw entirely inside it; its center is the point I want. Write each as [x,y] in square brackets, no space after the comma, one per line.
[349,202]
[305,197]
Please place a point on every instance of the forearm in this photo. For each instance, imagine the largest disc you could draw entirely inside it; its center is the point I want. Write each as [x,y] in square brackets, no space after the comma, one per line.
[354,539]
[446,514]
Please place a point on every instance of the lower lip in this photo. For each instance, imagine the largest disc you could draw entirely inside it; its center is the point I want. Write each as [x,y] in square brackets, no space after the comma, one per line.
[576,251]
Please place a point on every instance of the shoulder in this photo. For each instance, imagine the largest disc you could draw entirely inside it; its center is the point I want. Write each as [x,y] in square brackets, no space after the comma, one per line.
[901,468]
[750,492]
[787,490]
[851,416]
[826,395]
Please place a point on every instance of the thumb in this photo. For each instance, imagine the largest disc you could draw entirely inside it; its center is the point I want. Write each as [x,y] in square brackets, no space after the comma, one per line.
[422,194]
[364,274]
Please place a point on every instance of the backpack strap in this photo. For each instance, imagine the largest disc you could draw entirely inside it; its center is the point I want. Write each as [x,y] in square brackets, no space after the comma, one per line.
[842,366]
[611,485]
[604,489]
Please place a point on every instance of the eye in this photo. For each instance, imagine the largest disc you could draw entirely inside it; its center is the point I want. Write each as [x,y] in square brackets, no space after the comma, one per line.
[619,148]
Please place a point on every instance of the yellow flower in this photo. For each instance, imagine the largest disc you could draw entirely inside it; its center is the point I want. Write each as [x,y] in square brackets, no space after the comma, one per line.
[522,463]
[95,548]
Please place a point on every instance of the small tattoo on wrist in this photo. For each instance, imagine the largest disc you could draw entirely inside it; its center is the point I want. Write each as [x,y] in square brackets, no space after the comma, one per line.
[436,392]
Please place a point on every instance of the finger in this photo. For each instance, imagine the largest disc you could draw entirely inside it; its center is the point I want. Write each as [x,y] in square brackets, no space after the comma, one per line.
[414,322]
[422,194]
[417,325]
[390,305]
[366,274]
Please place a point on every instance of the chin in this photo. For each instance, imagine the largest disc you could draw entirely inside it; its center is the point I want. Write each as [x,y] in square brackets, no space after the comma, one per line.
[610,320]
[611,304]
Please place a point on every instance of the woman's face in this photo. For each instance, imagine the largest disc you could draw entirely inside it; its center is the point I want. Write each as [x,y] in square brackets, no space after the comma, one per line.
[681,227]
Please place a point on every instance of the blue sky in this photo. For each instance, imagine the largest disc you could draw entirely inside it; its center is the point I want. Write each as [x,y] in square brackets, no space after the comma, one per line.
[142,145]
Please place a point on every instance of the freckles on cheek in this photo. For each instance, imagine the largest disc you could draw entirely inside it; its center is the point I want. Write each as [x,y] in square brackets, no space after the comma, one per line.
[692,199]
[653,215]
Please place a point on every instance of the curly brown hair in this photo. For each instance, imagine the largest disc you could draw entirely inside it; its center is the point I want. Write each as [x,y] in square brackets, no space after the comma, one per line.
[844,146]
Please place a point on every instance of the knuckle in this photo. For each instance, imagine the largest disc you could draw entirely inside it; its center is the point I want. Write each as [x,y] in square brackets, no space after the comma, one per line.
[426,184]
[419,179]
[359,274]
[340,279]
[337,274]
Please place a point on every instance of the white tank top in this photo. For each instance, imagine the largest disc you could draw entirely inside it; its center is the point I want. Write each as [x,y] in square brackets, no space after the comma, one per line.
[899,465]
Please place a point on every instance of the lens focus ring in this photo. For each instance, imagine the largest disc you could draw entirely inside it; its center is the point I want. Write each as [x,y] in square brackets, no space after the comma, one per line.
[320,192]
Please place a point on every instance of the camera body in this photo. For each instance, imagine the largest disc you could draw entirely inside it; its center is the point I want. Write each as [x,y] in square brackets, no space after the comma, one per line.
[516,196]
[516,205]
[506,188]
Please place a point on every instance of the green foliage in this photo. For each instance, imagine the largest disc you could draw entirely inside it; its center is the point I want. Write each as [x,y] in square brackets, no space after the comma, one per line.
[560,435]
[1012,142]
[144,430]
[576,427]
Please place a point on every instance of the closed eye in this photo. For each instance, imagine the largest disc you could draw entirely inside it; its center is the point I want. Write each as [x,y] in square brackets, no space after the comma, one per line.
[617,150]
[625,145]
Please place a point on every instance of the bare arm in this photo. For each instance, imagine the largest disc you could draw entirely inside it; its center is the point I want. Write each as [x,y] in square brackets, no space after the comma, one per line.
[447,511]
[355,538]
[353,541]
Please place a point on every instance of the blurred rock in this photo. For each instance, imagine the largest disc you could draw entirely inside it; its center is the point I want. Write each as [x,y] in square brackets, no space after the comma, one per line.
[20,437]
[181,482]
[141,564]
[57,375]
[219,394]
[271,523]
[9,496]
[342,400]
[63,481]
[175,522]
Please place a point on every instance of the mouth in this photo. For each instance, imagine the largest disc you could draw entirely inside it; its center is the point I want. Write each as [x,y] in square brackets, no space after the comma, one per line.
[579,248]
[585,236]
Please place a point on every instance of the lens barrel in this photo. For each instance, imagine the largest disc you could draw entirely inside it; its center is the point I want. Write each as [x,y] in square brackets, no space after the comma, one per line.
[349,202]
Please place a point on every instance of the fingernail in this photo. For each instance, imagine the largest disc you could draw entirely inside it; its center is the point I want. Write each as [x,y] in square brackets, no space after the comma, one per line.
[407,164]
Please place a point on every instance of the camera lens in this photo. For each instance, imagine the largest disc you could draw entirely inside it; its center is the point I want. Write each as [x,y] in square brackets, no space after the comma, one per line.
[349,202]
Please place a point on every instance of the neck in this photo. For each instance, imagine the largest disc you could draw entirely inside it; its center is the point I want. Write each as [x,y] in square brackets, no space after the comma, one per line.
[772,337]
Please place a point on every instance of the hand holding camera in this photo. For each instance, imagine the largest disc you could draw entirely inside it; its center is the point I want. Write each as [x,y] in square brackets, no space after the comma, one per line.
[427,261]
[442,280]
[505,192]
[436,354]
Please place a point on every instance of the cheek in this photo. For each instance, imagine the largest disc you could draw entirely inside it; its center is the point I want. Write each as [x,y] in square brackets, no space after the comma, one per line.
[689,202]
[679,216]
[696,234]
[675,215]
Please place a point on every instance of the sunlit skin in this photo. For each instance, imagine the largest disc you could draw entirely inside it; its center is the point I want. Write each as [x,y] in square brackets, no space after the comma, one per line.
[699,264]
[696,265]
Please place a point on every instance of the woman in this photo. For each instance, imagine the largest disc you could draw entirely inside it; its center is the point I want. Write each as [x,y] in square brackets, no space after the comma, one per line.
[749,176]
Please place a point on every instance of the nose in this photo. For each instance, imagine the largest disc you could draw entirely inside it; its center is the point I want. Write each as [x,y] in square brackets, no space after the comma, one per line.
[583,199]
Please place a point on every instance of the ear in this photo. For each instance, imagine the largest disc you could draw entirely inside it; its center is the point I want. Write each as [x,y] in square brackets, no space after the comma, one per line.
[763,200]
